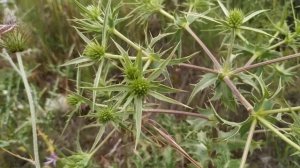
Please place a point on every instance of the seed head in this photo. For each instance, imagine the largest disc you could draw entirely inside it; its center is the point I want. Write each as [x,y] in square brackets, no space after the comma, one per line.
[94,51]
[107,114]
[235,18]
[14,41]
[140,87]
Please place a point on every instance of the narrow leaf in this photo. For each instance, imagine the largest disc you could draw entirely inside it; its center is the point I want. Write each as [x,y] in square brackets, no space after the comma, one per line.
[225,11]
[77,61]
[166,99]
[138,103]
[253,15]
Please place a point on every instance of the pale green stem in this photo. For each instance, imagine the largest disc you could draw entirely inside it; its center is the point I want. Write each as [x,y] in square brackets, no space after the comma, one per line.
[113,56]
[251,60]
[121,36]
[165,13]
[147,64]
[278,133]
[276,45]
[274,37]
[32,111]
[135,46]
[138,48]
[248,143]
[230,48]
[290,109]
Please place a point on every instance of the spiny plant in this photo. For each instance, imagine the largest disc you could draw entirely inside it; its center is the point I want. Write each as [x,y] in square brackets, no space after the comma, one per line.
[139,79]
[247,79]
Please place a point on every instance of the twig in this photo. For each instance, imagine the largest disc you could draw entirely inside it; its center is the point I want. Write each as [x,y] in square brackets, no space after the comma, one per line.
[207,51]
[245,68]
[198,68]
[237,94]
[166,111]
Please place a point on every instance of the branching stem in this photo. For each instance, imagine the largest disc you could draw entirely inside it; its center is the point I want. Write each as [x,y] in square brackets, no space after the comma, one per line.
[245,68]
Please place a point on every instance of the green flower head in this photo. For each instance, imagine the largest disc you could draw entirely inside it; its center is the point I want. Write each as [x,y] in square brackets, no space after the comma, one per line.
[105,115]
[235,18]
[94,51]
[140,87]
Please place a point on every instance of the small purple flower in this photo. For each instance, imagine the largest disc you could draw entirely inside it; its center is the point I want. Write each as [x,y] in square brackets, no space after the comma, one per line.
[51,160]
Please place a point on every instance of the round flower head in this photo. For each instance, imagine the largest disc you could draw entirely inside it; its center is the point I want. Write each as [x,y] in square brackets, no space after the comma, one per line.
[140,87]
[235,18]
[105,115]
[14,41]
[94,51]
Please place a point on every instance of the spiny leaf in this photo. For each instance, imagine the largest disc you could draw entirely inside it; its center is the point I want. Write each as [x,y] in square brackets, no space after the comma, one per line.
[157,38]
[162,66]
[206,81]
[83,37]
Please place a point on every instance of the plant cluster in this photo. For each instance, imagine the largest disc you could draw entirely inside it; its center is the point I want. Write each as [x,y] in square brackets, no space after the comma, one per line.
[243,88]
